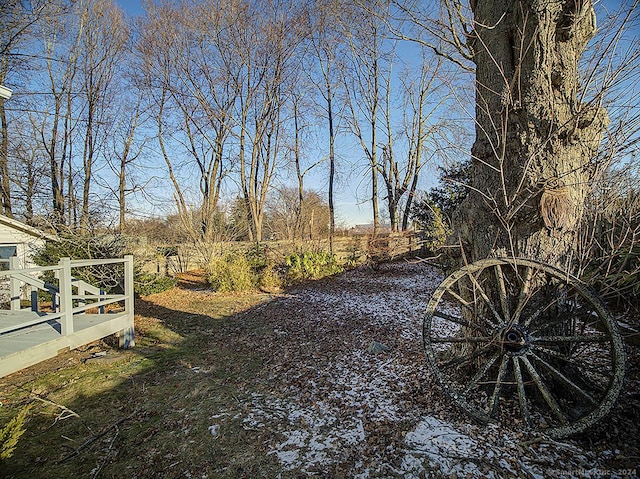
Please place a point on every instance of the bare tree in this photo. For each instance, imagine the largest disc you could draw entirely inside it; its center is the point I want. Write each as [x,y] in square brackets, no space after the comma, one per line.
[28,170]
[282,212]
[266,46]
[102,40]
[217,72]
[192,78]
[371,59]
[60,30]
[127,149]
[610,238]
[300,104]
[18,27]
[402,158]
[327,41]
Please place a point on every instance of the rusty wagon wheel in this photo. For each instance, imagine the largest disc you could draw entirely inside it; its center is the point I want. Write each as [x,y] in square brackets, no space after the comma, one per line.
[521,342]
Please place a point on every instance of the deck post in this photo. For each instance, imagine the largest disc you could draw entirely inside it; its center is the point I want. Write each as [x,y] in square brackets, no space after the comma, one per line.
[14,284]
[81,293]
[66,301]
[126,337]
[35,306]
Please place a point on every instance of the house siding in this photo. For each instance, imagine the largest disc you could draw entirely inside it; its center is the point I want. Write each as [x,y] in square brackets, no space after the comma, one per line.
[25,238]
[25,244]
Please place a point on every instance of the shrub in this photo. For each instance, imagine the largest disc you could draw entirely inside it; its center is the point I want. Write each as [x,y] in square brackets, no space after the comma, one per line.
[106,277]
[231,273]
[11,432]
[615,275]
[435,229]
[218,275]
[609,241]
[270,279]
[146,284]
[452,188]
[437,232]
[257,258]
[242,277]
[253,269]
[353,257]
[311,265]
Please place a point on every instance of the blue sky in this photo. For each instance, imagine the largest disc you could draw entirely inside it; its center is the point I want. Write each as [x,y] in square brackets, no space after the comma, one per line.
[131,7]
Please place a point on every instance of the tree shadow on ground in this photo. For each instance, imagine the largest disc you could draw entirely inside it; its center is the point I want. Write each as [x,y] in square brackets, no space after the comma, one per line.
[151,411]
[176,405]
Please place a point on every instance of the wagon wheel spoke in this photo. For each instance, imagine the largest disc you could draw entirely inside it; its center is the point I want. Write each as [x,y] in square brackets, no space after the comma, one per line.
[487,301]
[495,395]
[461,301]
[546,394]
[586,367]
[480,374]
[567,382]
[535,315]
[453,319]
[466,359]
[517,338]
[522,395]
[524,293]
[468,306]
[502,293]
[583,315]
[592,373]
[586,338]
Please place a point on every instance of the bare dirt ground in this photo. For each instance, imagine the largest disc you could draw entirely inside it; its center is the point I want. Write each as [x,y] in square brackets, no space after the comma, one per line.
[327,379]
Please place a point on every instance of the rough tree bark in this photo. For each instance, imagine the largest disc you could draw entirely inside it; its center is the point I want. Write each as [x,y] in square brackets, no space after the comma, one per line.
[535,143]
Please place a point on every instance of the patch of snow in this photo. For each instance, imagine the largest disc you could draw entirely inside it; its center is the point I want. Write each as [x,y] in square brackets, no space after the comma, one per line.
[446,449]
[313,436]
[371,386]
[288,458]
[398,300]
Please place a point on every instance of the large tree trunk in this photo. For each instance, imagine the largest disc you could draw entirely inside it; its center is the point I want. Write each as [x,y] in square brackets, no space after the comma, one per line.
[533,157]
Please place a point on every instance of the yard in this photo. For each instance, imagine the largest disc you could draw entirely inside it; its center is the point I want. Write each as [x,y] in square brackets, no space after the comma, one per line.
[325,379]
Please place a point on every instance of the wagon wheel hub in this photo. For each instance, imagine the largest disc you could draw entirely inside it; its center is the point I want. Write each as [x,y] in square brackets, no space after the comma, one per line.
[515,340]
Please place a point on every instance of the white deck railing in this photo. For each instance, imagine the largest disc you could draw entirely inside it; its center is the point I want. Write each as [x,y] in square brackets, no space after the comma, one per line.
[65,304]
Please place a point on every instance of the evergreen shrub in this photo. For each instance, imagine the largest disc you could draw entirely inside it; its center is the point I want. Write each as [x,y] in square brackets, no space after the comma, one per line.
[11,433]
[311,265]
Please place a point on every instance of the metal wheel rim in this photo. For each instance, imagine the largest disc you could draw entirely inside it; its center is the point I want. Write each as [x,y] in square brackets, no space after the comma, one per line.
[516,349]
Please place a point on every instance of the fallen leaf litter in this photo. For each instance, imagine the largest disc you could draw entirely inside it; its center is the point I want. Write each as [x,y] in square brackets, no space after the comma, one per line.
[346,410]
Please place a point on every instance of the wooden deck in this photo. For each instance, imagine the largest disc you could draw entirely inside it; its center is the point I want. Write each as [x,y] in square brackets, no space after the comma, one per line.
[28,336]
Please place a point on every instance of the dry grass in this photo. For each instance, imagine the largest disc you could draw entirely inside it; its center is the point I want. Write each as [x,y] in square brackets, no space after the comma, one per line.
[145,412]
